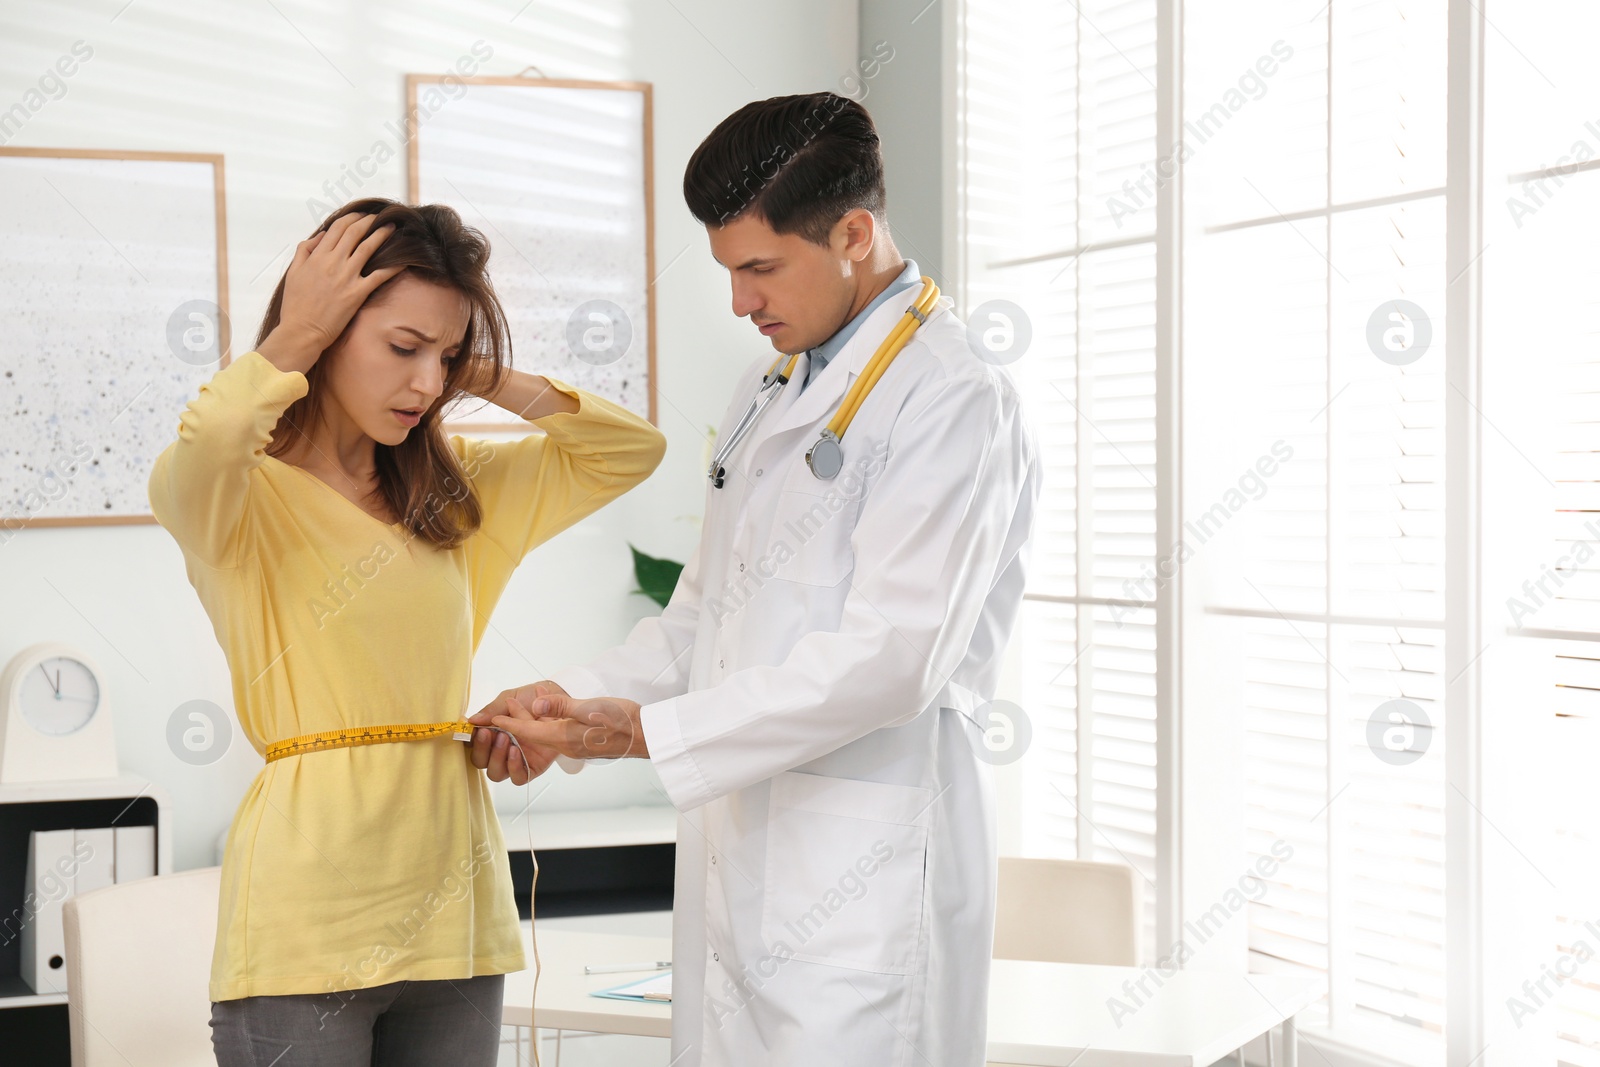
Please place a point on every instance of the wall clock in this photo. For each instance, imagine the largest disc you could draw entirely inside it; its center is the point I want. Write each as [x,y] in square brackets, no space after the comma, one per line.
[57,724]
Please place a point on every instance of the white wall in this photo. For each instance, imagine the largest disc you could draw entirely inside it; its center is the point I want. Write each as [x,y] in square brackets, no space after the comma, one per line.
[290,92]
[905,92]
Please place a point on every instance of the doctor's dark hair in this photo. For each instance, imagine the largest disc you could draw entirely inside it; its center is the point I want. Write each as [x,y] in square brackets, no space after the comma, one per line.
[420,479]
[798,162]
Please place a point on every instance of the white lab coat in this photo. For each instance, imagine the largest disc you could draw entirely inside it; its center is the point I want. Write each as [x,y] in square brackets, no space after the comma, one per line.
[803,697]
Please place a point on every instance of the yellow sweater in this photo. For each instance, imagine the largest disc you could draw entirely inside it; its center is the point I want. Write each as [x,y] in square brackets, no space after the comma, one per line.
[361,866]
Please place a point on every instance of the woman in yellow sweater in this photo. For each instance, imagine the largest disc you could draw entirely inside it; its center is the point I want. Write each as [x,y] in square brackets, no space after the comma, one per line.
[349,555]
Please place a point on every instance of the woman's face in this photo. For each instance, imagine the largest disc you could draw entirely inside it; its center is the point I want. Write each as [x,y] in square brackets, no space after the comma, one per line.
[390,367]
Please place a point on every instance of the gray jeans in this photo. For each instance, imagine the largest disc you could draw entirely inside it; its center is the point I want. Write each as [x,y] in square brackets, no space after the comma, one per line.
[402,1024]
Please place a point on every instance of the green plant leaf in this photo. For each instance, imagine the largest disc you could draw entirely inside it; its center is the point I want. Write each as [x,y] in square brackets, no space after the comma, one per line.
[657,578]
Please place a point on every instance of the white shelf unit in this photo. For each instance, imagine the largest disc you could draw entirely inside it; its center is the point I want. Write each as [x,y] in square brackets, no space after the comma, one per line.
[27,806]
[591,862]
[606,828]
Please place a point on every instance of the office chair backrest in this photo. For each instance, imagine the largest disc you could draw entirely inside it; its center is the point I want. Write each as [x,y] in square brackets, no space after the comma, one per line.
[138,971]
[1067,911]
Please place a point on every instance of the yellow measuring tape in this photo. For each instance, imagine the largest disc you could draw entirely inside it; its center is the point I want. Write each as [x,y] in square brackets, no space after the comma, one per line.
[459,730]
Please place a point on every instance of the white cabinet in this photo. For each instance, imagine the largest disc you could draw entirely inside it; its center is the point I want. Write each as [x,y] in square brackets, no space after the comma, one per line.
[86,806]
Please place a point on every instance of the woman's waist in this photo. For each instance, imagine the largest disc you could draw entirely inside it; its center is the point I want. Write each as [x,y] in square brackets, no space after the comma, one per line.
[425,794]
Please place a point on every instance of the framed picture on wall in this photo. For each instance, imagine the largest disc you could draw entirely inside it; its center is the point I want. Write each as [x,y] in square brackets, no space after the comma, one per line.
[114,266]
[557,175]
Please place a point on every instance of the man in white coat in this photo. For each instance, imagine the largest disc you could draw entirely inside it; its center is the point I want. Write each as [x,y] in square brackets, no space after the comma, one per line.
[813,694]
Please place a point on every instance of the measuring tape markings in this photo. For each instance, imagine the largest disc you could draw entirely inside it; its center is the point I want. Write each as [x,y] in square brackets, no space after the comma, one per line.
[368,735]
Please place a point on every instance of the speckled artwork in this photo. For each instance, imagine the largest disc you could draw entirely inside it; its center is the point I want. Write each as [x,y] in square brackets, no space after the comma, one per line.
[554,177]
[98,258]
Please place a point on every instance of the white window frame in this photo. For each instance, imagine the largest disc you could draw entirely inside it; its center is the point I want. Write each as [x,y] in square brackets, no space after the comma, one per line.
[1476,1034]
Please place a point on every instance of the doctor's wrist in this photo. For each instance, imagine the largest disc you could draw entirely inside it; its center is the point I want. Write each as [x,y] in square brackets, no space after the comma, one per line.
[638,748]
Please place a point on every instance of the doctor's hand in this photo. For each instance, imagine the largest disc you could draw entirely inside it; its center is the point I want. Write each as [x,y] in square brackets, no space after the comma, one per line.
[493,751]
[598,728]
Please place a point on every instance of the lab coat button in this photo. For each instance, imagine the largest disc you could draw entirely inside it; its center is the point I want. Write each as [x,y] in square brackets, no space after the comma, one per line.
[759,472]
[716,957]
[713,861]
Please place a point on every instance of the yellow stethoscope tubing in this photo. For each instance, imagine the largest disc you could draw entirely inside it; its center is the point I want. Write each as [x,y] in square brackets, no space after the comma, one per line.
[898,338]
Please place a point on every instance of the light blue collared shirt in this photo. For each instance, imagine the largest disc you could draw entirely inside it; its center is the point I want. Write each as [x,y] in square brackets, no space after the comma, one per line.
[823,354]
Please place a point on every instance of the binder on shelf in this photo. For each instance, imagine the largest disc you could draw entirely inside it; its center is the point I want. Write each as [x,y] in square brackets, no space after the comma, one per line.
[136,853]
[95,851]
[50,880]
[62,864]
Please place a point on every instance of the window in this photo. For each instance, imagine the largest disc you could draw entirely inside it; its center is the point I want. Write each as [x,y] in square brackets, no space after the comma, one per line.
[1542,198]
[1058,113]
[1363,445]
[1315,210]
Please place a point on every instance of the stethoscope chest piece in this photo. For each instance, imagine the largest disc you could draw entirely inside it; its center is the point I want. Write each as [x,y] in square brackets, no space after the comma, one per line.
[826,457]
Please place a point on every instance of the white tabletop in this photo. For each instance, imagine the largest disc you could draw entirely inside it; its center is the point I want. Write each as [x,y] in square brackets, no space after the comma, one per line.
[1052,1014]
[1058,1014]
[563,998]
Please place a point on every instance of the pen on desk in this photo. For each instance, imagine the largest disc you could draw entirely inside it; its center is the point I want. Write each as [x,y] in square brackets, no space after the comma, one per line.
[618,968]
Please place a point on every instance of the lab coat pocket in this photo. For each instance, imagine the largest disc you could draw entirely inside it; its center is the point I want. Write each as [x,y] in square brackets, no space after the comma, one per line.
[846,872]
[811,535]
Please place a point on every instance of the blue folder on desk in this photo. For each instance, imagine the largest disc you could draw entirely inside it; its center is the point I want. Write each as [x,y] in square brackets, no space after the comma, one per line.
[658,987]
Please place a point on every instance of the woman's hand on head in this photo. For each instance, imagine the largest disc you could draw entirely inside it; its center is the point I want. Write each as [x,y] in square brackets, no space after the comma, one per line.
[324,288]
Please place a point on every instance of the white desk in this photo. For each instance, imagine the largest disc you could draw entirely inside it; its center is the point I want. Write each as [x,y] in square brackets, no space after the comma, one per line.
[1056,1014]
[564,1001]
[1050,1014]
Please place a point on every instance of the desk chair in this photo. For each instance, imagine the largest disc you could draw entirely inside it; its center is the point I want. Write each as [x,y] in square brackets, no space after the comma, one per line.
[138,971]
[1067,911]
[1071,911]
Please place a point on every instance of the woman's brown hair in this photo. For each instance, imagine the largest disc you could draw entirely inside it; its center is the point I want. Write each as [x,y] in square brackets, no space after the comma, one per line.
[419,478]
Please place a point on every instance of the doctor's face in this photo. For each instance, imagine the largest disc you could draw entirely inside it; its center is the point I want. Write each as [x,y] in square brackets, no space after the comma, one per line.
[798,293]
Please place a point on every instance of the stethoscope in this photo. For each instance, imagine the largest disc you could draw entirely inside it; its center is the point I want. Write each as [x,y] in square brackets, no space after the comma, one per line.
[826,457]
